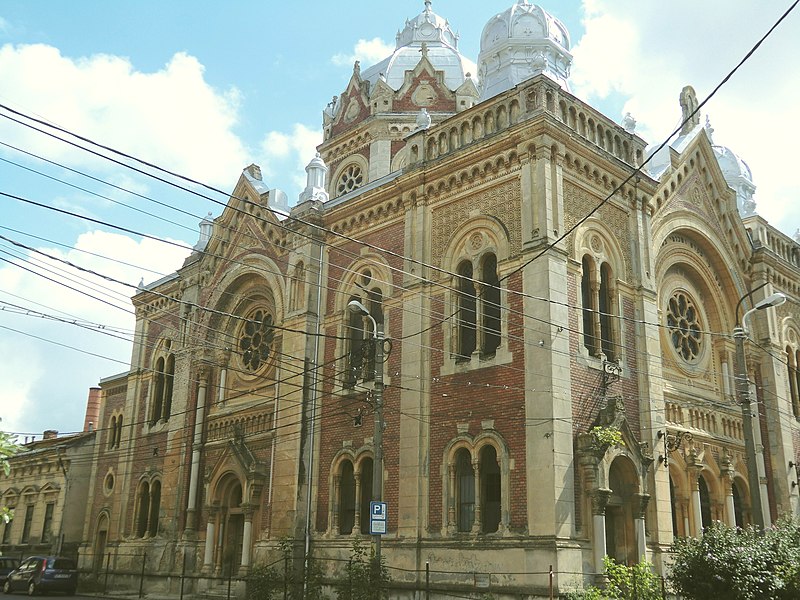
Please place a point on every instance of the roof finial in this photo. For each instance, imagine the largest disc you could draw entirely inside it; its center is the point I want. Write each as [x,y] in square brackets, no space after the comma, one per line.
[427,5]
[424,49]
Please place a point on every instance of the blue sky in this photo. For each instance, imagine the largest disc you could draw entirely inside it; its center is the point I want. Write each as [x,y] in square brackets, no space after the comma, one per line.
[206,88]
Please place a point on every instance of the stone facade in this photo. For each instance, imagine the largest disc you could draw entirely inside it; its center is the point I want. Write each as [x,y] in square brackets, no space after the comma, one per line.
[539,291]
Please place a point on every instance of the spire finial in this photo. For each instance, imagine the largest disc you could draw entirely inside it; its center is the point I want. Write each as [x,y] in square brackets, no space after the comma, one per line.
[427,5]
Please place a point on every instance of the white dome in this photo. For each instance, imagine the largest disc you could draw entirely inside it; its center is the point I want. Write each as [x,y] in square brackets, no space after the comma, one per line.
[519,43]
[442,51]
[739,177]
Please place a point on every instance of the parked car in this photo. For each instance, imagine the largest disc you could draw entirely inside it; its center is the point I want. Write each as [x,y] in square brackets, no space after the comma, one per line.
[41,574]
[7,564]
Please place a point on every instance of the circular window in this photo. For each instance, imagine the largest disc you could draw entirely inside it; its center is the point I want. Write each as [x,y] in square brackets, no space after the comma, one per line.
[683,324]
[108,483]
[255,339]
[350,179]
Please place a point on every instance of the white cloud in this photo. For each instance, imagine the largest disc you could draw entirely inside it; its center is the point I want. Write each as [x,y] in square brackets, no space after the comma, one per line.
[289,153]
[368,52]
[645,53]
[42,383]
[171,117]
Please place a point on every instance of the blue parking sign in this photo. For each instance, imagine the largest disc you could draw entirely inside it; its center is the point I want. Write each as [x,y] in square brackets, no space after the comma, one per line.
[377,518]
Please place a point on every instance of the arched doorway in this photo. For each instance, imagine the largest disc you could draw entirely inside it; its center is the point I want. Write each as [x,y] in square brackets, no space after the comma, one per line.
[620,531]
[231,516]
[100,539]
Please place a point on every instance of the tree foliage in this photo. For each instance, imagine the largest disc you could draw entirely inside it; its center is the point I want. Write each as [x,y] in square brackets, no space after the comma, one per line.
[8,448]
[635,582]
[366,579]
[739,564]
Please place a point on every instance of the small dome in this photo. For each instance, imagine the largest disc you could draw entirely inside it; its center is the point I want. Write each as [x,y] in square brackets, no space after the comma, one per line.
[739,177]
[519,43]
[441,44]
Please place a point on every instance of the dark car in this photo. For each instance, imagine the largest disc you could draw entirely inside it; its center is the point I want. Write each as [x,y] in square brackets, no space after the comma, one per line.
[7,564]
[41,574]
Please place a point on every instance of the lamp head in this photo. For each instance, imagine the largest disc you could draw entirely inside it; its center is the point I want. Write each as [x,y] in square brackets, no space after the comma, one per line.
[355,307]
[775,299]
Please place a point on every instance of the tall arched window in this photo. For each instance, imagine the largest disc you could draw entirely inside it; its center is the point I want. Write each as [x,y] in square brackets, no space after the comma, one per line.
[347,498]
[478,310]
[467,312]
[112,433]
[163,379]
[793,375]
[705,502]
[465,491]
[490,490]
[365,491]
[738,505]
[598,289]
[155,508]
[490,301]
[142,509]
[360,332]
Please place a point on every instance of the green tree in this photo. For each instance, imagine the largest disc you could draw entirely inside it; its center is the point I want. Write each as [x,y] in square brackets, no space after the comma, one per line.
[635,582]
[8,448]
[365,579]
[739,564]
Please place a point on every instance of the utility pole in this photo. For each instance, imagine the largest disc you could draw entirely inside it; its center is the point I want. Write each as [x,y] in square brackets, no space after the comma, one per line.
[761,518]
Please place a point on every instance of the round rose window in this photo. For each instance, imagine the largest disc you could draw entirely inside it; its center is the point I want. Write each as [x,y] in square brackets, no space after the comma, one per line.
[683,324]
[255,339]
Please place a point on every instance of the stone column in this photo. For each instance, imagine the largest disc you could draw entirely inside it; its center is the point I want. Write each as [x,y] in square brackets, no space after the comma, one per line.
[208,555]
[639,507]
[357,516]
[337,484]
[694,474]
[197,447]
[476,469]
[247,538]
[451,499]
[599,501]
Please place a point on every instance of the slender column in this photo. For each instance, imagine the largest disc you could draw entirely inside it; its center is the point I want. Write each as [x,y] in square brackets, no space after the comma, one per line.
[247,538]
[208,555]
[599,501]
[337,485]
[696,509]
[220,543]
[451,500]
[476,525]
[730,507]
[685,509]
[639,507]
[596,331]
[357,517]
[191,516]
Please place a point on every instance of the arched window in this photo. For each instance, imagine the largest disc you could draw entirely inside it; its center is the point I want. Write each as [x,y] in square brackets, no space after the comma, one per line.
[118,432]
[155,507]
[365,491]
[705,502]
[465,491]
[794,379]
[360,332]
[163,378]
[112,433]
[490,297]
[142,509]
[478,309]
[298,287]
[674,506]
[490,490]
[598,290]
[158,392]
[347,498]
[467,312]
[738,505]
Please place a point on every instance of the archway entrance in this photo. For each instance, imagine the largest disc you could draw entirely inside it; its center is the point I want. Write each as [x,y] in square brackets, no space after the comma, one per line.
[231,515]
[620,531]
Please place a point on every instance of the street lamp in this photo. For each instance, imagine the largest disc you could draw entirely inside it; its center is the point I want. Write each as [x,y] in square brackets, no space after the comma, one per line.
[357,308]
[755,466]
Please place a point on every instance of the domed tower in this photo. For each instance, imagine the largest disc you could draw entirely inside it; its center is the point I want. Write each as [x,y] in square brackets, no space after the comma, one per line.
[521,42]
[425,80]
[738,175]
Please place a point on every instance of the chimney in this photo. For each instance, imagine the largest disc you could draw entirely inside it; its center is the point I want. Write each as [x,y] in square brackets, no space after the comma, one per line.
[49,434]
[92,408]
